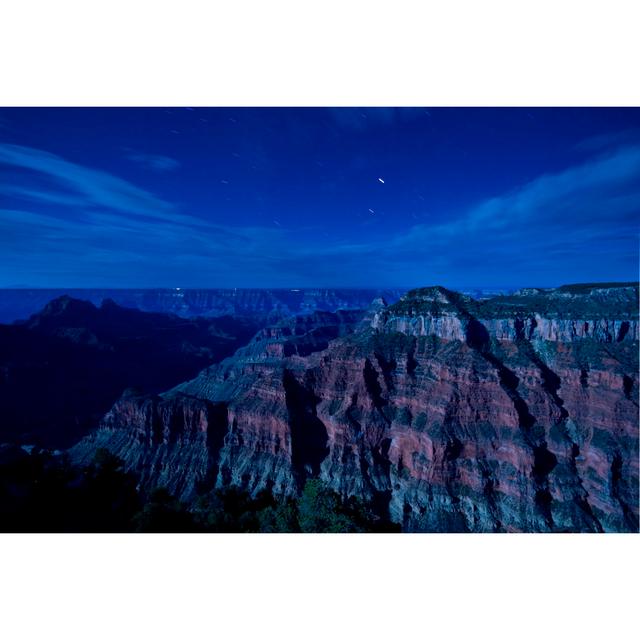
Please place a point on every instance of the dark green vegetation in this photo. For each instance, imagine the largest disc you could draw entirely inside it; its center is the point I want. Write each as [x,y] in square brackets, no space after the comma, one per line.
[44,493]
[588,287]
[41,492]
[434,301]
[579,301]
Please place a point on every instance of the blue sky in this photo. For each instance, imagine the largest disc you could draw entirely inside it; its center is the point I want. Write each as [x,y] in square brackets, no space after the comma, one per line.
[318,197]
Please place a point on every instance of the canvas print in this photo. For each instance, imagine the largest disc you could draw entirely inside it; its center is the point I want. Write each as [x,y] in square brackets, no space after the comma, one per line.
[328,320]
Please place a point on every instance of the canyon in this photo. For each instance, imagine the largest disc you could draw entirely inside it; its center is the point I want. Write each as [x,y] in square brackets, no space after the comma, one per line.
[62,368]
[516,413]
[262,304]
[78,350]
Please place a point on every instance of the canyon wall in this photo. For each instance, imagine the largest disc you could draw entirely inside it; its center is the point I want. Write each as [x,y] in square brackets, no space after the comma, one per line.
[445,413]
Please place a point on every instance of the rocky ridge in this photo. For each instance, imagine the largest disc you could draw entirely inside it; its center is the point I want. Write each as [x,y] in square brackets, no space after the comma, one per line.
[605,314]
[446,413]
[259,304]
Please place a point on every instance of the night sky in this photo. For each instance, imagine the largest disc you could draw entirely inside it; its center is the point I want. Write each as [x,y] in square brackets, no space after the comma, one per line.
[182,197]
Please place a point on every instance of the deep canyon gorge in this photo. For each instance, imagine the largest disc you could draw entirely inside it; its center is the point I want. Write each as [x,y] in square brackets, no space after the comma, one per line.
[446,413]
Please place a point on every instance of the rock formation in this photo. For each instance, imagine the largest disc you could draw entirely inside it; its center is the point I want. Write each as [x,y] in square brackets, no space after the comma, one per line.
[517,413]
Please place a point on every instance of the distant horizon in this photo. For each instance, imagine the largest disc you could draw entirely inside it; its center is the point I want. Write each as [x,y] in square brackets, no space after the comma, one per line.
[308,288]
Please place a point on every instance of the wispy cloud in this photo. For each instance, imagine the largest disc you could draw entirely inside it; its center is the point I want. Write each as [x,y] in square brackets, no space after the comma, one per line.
[585,217]
[97,188]
[154,162]
[106,247]
[589,212]
[583,196]
[608,140]
[43,195]
[103,227]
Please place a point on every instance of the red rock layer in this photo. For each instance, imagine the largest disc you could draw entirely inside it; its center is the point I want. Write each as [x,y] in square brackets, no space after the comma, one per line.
[440,432]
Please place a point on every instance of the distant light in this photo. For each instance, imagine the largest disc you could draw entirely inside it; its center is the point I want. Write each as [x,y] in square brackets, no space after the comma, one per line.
[177,288]
[371,211]
[381,180]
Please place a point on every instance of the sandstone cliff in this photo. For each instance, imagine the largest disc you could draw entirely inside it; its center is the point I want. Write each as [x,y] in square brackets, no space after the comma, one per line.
[448,414]
[561,315]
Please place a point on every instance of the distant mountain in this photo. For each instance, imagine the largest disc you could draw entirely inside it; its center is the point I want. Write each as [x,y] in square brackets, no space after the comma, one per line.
[445,413]
[261,304]
[63,368]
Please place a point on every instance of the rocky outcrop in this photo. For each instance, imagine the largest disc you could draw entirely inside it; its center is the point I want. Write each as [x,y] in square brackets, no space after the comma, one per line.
[441,419]
[260,444]
[605,315]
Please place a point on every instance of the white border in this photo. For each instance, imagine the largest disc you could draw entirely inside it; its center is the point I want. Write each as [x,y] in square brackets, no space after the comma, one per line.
[329,52]
[324,586]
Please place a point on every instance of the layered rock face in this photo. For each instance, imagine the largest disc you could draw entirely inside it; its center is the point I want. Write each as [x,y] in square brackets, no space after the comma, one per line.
[446,413]
[560,315]
[244,428]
